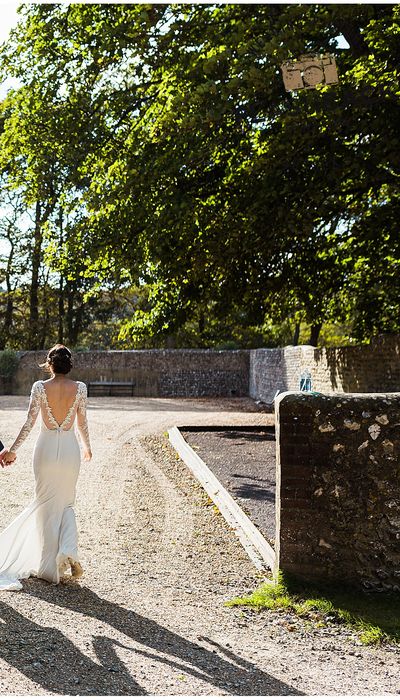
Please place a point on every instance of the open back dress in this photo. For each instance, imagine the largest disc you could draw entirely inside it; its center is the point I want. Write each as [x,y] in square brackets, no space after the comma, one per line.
[42,540]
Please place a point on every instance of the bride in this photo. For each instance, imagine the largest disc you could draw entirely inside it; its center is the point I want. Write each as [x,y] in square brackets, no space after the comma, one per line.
[42,540]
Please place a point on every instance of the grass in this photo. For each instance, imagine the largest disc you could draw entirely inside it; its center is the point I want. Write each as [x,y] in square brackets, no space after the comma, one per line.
[376,617]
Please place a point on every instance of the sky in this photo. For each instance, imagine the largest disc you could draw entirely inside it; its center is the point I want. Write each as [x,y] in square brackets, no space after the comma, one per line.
[8,15]
[8,19]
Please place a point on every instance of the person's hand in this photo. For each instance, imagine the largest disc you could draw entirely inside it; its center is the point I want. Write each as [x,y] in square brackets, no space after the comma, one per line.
[8,458]
[87,455]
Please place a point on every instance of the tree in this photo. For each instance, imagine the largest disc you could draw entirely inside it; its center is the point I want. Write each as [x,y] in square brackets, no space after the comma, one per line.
[13,263]
[186,167]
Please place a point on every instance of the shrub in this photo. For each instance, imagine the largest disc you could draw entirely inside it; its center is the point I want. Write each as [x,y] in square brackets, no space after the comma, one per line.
[8,363]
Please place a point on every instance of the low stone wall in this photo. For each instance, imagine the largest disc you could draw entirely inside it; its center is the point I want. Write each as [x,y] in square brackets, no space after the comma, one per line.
[155,372]
[338,497]
[362,368]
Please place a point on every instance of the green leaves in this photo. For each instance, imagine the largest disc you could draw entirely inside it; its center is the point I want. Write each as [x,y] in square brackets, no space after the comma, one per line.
[165,133]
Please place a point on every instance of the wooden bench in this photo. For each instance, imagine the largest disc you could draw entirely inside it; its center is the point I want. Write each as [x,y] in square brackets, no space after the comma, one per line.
[121,388]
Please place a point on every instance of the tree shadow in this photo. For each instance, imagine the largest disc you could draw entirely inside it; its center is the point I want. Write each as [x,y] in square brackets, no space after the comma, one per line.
[218,432]
[49,658]
[254,492]
[225,670]
[146,404]
[261,436]
[258,479]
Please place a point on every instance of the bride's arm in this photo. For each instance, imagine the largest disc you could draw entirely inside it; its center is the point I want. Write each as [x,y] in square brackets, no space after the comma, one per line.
[82,423]
[33,411]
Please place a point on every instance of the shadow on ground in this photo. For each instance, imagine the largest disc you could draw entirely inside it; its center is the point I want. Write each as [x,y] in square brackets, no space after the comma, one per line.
[145,404]
[50,659]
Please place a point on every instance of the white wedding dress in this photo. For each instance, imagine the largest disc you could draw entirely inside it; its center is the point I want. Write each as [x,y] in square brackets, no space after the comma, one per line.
[42,540]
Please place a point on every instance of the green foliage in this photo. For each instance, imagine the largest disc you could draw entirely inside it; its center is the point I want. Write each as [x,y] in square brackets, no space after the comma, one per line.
[8,363]
[375,617]
[164,136]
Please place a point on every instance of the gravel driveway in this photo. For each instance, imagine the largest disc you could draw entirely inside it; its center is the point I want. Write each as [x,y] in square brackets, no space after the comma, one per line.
[148,617]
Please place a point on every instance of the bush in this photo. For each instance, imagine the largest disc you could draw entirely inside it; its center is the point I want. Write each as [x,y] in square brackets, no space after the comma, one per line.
[8,363]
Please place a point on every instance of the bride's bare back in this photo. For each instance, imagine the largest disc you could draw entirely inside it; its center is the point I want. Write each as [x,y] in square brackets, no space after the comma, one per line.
[60,401]
[61,396]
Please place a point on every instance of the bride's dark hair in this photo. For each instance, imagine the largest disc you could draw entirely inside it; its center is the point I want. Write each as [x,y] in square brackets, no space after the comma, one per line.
[58,360]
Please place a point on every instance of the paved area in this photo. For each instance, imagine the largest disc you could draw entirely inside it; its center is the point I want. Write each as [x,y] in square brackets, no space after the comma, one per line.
[245,464]
[149,615]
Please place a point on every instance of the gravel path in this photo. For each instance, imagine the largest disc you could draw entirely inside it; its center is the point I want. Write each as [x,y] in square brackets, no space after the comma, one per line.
[148,617]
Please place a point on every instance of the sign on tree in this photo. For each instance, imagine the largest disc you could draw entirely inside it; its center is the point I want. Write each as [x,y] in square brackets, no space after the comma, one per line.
[309,71]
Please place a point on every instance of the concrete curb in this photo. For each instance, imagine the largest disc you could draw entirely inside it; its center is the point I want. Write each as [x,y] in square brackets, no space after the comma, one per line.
[256,546]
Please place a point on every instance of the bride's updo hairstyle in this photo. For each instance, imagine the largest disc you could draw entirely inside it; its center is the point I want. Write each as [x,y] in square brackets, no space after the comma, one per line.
[58,360]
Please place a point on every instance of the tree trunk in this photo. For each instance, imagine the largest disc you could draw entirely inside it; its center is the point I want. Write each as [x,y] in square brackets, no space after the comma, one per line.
[61,289]
[296,334]
[8,316]
[202,323]
[352,34]
[314,335]
[44,325]
[75,313]
[33,337]
[9,311]
[70,310]
[61,310]
[76,325]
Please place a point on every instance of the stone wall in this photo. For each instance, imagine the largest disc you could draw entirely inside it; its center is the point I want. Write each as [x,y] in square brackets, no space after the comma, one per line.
[338,496]
[259,373]
[276,369]
[155,372]
[363,368]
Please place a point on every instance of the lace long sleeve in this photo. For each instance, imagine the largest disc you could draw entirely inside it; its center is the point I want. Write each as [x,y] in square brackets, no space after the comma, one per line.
[33,411]
[81,417]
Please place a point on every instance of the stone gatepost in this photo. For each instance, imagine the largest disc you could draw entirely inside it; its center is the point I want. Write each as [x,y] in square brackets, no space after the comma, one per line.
[338,492]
